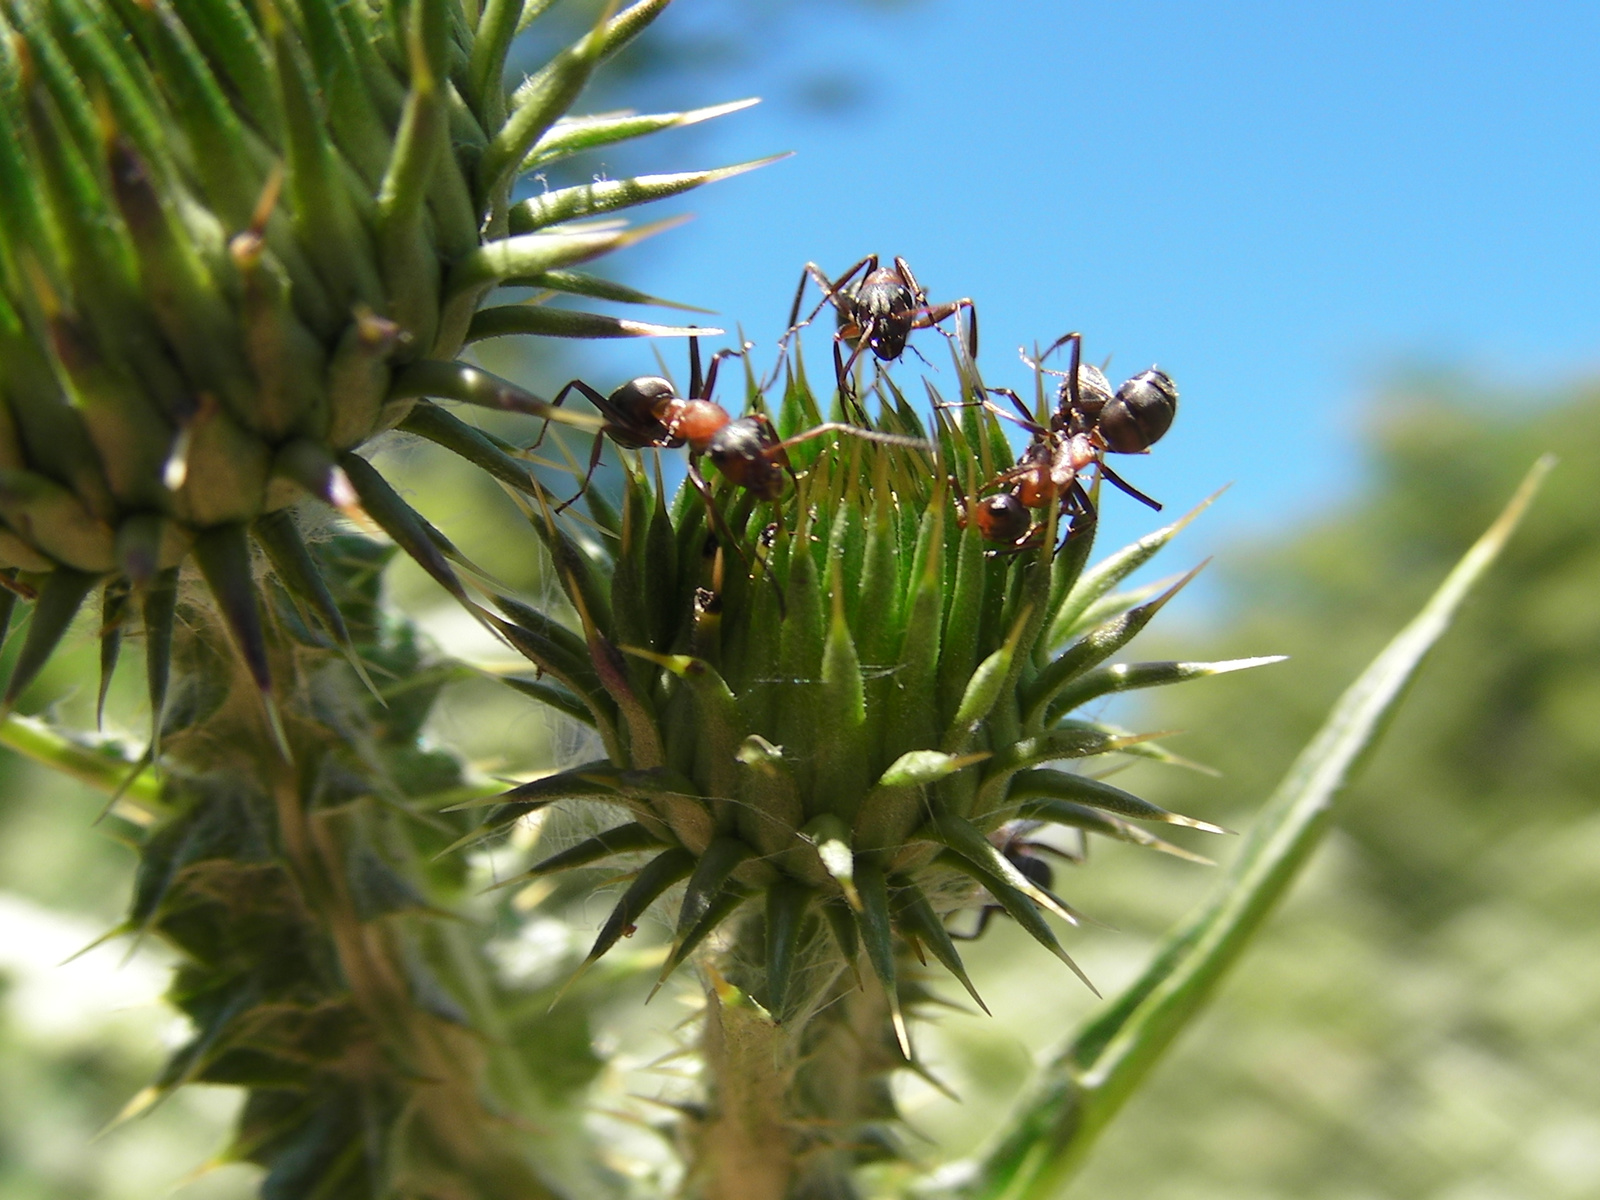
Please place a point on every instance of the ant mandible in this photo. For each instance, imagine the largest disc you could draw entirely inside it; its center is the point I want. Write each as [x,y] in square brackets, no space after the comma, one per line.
[878,313]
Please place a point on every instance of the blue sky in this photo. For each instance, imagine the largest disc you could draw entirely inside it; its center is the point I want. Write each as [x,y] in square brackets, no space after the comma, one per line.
[1283,205]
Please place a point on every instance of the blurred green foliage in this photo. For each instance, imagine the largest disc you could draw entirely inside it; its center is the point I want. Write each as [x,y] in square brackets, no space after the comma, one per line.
[1421,1020]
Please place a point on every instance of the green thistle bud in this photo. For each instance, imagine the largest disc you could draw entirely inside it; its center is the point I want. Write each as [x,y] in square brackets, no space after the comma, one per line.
[822,710]
[241,240]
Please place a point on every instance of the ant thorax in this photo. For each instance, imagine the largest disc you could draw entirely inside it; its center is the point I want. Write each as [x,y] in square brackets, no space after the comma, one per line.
[1094,393]
[696,422]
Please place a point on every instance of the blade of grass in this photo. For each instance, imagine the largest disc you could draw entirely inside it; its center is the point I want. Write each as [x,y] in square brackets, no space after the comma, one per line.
[1088,1081]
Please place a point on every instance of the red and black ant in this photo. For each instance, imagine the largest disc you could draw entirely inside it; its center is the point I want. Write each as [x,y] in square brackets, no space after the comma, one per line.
[648,412]
[878,313]
[1013,840]
[1128,421]
[1090,421]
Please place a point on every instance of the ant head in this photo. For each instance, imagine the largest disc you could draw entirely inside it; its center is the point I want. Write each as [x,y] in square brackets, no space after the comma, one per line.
[1140,413]
[1002,518]
[644,398]
[886,306]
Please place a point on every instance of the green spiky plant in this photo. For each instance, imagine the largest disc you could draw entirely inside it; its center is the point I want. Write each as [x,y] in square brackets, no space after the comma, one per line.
[241,239]
[822,729]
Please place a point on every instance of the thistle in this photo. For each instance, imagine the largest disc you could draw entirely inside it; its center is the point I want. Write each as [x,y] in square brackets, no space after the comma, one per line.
[240,241]
[822,729]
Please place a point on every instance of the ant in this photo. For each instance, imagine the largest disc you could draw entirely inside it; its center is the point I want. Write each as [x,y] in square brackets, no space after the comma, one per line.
[648,412]
[1090,421]
[1013,840]
[1129,421]
[877,313]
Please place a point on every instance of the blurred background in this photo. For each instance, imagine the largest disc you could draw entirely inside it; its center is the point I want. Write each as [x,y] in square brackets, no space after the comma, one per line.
[1362,241]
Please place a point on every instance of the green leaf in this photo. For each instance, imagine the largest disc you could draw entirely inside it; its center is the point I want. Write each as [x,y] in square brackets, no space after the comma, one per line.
[787,901]
[624,839]
[877,932]
[965,839]
[579,283]
[706,885]
[573,135]
[1019,907]
[719,910]
[1028,786]
[159,610]
[1110,571]
[538,320]
[1089,1081]
[503,259]
[534,108]
[1092,820]
[1093,648]
[609,195]
[1128,677]
[831,839]
[919,767]
[297,571]
[115,606]
[482,450]
[657,876]
[916,917]
[404,524]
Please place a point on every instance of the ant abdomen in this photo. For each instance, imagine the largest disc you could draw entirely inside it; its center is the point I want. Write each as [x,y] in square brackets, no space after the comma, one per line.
[748,454]
[1140,414]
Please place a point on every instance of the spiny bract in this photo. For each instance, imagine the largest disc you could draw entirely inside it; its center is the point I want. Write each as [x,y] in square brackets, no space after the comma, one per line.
[241,238]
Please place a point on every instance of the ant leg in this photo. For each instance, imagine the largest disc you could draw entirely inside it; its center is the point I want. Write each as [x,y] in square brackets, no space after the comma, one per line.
[719,526]
[931,316]
[984,915]
[1081,523]
[842,368]
[1028,421]
[831,291]
[1128,487]
[1073,362]
[594,465]
[866,435]
[698,393]
[1051,349]
[589,394]
[694,366]
[1080,501]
